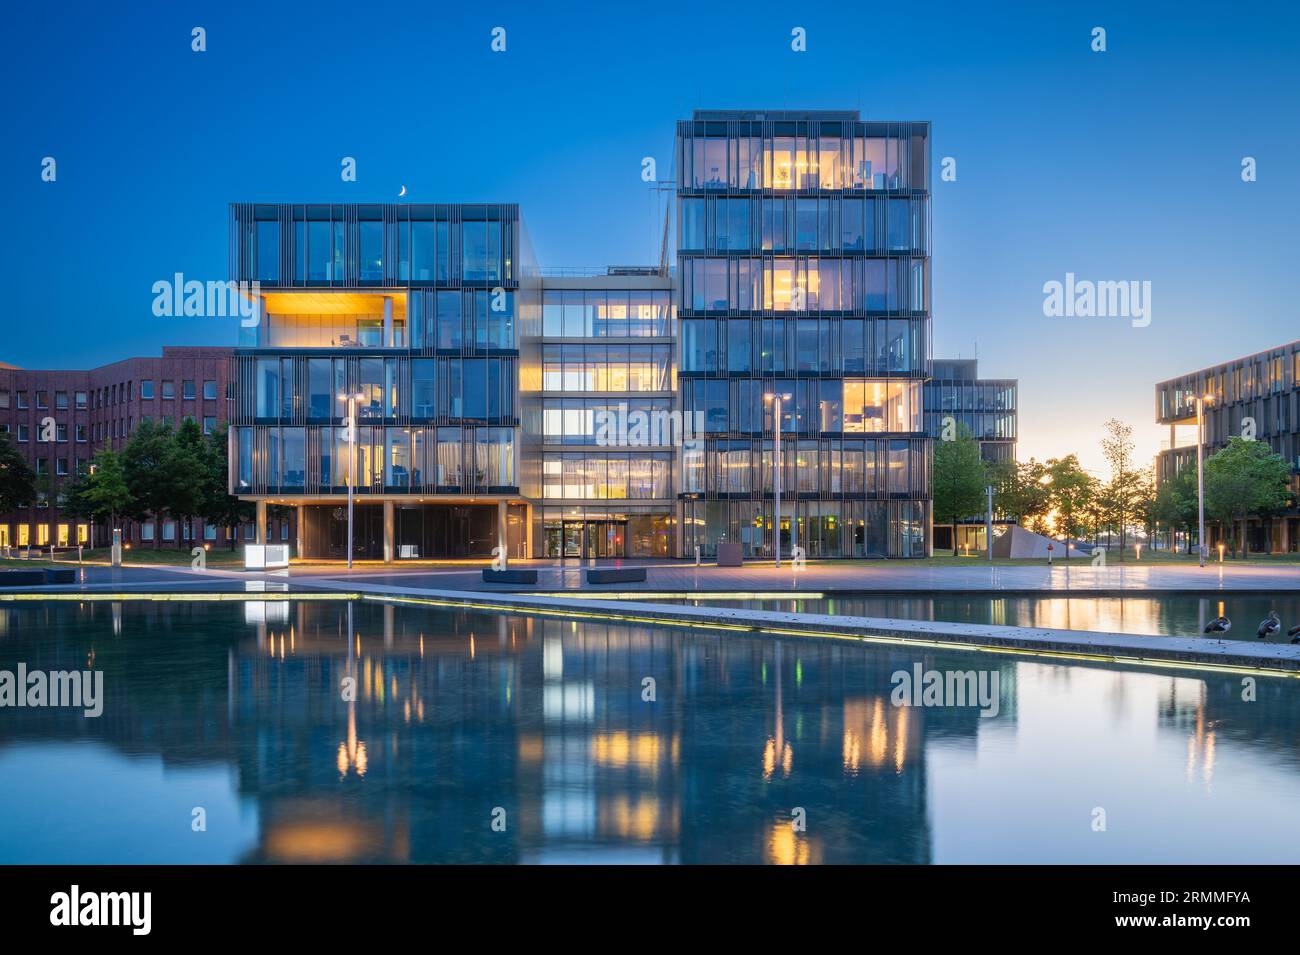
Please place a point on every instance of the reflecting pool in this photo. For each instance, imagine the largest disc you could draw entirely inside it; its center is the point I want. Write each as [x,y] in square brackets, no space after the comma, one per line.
[278,732]
[1182,615]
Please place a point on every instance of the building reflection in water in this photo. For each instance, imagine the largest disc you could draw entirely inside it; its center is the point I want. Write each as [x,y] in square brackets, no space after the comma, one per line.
[452,714]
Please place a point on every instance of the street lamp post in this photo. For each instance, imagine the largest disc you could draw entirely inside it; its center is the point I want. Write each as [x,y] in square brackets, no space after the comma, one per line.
[776,478]
[988,522]
[1200,476]
[352,460]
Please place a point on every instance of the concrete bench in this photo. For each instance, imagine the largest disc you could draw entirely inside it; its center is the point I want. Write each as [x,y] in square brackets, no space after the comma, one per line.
[615,575]
[21,578]
[491,576]
[60,575]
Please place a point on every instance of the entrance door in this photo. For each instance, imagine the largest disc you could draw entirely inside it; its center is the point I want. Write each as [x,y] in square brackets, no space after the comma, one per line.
[605,539]
[573,538]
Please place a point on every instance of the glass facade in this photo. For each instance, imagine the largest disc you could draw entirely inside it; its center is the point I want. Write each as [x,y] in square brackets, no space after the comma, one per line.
[416,353]
[387,358]
[986,408]
[803,272]
[1257,394]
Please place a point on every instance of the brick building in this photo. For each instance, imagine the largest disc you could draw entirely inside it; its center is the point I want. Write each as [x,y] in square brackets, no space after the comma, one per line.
[99,408]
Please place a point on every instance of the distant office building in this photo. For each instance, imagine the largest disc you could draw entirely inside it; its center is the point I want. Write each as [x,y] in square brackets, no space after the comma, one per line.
[97,409]
[985,407]
[1257,394]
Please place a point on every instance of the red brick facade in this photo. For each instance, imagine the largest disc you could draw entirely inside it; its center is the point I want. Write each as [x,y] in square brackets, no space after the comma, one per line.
[99,408]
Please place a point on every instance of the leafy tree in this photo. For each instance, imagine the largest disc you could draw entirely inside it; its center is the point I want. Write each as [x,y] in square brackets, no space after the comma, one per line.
[1021,492]
[220,507]
[960,477]
[1121,493]
[1072,489]
[1174,505]
[186,472]
[1144,501]
[1245,478]
[17,480]
[143,463]
[101,494]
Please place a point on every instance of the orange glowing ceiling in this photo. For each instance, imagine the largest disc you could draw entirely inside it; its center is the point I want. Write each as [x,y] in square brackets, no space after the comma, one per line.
[350,302]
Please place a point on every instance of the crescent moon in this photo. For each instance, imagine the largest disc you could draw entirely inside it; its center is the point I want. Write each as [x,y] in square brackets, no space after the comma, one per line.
[402,193]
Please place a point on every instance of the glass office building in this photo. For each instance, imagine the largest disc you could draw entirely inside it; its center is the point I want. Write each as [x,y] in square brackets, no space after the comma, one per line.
[984,407]
[1255,395]
[401,319]
[621,413]
[803,272]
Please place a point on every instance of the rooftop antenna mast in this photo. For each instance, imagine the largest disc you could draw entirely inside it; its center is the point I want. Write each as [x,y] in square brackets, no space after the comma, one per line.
[660,186]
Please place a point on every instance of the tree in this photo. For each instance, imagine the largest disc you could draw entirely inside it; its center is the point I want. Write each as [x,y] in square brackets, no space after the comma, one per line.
[1072,489]
[101,494]
[1245,478]
[220,507]
[1174,505]
[1144,501]
[186,472]
[17,480]
[1120,496]
[960,477]
[143,462]
[1020,491]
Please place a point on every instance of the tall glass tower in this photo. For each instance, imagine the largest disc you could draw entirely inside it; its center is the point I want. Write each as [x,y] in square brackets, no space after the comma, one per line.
[803,272]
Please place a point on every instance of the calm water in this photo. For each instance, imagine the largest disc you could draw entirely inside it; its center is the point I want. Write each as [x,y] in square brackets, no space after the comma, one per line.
[1175,615]
[236,708]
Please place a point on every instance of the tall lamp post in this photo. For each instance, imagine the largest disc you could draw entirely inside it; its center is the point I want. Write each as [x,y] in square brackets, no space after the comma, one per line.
[1200,475]
[776,476]
[352,459]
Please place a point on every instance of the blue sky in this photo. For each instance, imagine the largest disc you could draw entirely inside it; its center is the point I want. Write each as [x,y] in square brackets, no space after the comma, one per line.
[1123,165]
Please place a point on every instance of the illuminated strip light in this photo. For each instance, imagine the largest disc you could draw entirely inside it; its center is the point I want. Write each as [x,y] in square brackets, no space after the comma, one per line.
[889,639]
[683,595]
[259,596]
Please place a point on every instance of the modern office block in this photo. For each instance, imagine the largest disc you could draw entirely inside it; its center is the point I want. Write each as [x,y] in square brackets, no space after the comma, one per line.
[986,408]
[621,413]
[1257,395]
[399,322]
[803,272]
[603,432]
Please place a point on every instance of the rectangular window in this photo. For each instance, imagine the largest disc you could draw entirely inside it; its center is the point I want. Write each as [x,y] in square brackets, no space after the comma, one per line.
[481,251]
[187,389]
[61,400]
[268,251]
[146,389]
[168,389]
[372,251]
[423,252]
[209,391]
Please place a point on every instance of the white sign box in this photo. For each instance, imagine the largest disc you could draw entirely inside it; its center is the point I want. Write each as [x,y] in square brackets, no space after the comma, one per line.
[266,556]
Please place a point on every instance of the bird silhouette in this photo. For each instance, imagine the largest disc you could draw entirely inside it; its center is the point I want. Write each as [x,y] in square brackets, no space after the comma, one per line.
[1294,634]
[1269,626]
[1218,625]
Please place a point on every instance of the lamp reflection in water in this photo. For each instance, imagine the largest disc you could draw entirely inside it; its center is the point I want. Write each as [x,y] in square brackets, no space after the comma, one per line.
[776,750]
[352,752]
